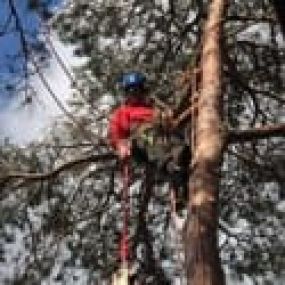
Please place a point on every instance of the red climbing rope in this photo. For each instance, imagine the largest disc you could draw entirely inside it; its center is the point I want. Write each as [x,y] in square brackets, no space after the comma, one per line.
[124,242]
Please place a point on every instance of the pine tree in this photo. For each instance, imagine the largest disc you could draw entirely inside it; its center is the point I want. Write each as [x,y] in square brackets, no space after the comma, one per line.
[236,133]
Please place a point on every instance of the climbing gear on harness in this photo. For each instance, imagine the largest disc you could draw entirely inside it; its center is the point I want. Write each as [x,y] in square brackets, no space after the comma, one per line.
[166,152]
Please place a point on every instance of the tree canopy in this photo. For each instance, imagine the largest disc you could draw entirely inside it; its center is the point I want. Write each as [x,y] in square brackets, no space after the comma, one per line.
[62,198]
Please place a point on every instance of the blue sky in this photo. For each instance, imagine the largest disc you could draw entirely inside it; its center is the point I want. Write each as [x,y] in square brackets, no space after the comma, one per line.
[10,44]
[25,123]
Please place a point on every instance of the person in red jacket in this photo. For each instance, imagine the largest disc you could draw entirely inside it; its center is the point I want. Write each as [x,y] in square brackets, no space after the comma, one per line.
[135,112]
[138,111]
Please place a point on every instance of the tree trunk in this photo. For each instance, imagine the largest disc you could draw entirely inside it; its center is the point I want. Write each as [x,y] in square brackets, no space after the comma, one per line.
[203,264]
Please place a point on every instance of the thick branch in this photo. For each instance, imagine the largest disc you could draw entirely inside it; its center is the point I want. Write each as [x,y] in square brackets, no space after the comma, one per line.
[263,132]
[238,18]
[33,176]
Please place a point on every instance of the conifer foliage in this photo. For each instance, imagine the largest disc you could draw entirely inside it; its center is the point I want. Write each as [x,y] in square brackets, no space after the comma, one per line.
[63,197]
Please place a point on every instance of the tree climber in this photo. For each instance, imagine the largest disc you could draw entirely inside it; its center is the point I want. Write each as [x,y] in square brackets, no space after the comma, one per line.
[136,111]
[139,130]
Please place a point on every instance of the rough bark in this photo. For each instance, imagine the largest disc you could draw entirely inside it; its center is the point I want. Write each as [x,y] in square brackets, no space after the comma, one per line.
[202,254]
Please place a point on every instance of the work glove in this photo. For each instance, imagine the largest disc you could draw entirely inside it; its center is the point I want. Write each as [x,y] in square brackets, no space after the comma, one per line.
[123,149]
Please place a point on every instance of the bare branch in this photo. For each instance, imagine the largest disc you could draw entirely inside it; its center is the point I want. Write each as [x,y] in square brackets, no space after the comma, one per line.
[264,132]
[238,18]
[34,176]
[66,146]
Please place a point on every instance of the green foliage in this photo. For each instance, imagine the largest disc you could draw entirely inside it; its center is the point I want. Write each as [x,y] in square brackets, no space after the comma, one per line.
[73,221]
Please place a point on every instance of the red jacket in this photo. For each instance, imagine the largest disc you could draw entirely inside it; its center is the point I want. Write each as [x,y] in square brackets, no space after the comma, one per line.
[127,117]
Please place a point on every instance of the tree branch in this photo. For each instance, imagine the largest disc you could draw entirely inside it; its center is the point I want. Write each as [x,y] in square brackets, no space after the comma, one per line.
[236,136]
[34,176]
[238,18]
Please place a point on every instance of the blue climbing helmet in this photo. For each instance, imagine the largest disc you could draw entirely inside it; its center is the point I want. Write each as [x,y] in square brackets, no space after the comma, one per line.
[133,81]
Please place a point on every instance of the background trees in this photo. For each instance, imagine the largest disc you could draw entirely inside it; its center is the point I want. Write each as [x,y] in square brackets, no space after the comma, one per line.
[66,219]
